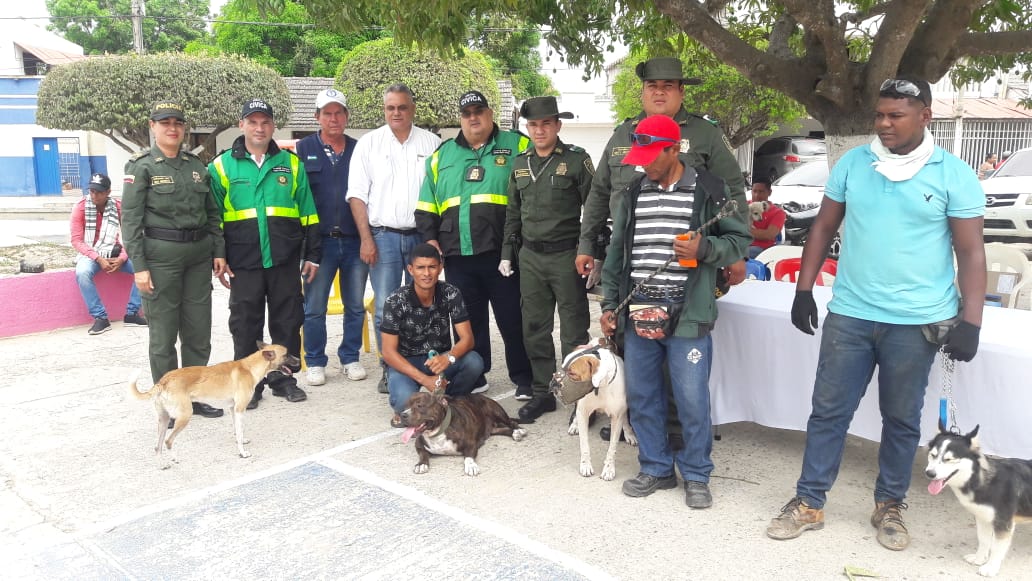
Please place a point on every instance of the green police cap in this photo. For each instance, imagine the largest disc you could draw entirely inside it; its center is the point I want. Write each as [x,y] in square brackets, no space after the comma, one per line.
[664,69]
[166,109]
[542,108]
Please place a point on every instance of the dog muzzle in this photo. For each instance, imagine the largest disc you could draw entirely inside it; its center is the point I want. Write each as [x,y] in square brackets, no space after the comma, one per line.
[567,390]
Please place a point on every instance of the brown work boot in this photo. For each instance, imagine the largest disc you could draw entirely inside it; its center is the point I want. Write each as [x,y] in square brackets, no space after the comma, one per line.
[888,519]
[795,517]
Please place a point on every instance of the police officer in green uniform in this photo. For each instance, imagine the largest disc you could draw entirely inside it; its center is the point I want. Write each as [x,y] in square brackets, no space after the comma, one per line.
[703,144]
[547,189]
[172,232]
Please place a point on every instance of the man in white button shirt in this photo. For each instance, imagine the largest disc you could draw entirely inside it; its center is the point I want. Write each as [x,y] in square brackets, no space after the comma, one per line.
[387,169]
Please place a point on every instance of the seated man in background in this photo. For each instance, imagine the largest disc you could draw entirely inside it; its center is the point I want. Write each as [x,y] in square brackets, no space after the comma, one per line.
[416,335]
[765,231]
[95,234]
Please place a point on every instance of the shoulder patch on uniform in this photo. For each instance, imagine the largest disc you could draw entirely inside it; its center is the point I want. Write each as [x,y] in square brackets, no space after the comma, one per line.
[589,165]
[129,179]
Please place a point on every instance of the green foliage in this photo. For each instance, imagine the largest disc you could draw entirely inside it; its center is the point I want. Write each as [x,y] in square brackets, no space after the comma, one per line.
[104,26]
[744,109]
[114,95]
[294,51]
[511,47]
[437,82]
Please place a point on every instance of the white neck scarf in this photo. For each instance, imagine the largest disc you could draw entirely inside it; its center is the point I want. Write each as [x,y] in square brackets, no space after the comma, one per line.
[900,168]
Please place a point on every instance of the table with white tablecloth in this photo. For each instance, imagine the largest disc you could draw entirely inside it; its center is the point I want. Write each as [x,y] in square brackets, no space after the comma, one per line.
[764,368]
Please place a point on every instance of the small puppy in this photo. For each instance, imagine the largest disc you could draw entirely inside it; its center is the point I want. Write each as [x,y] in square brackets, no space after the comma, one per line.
[757,209]
[218,385]
[454,427]
[596,362]
[997,491]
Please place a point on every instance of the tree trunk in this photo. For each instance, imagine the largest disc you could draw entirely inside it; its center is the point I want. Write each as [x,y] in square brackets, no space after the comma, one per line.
[845,131]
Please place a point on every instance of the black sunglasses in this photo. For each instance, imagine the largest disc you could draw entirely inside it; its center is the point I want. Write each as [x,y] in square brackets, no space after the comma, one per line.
[902,87]
[644,139]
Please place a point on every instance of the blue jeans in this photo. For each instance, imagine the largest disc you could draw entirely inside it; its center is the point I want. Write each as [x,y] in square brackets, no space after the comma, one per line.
[392,256]
[338,254]
[85,270]
[460,375]
[689,361]
[850,349]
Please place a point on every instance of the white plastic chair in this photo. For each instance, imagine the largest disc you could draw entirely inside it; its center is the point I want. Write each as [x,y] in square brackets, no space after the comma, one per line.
[1002,258]
[772,255]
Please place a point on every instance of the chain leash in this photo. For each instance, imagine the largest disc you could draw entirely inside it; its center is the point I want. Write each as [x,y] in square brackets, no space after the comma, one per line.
[947,405]
[729,208]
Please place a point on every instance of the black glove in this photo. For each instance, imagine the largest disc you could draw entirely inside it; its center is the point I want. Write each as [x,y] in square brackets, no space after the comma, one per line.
[804,312]
[962,342]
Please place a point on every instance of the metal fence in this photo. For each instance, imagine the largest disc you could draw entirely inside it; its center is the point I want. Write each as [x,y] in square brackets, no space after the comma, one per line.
[974,139]
[68,159]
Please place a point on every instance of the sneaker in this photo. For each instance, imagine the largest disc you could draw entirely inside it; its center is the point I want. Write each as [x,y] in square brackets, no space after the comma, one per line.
[134,320]
[697,494]
[481,388]
[100,325]
[645,484]
[354,371]
[316,375]
[888,519]
[795,517]
[523,392]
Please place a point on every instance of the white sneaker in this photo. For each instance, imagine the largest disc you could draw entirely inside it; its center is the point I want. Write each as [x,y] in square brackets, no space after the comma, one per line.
[354,371]
[316,375]
[482,388]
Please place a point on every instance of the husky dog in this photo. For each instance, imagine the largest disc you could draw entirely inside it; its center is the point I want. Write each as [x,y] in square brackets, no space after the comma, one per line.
[998,491]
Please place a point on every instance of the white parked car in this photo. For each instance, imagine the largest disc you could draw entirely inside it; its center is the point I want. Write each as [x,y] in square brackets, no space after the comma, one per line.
[803,185]
[1008,200]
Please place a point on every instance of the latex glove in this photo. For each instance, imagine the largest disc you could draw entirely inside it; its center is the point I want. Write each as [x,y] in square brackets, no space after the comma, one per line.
[962,342]
[804,312]
[505,268]
[594,275]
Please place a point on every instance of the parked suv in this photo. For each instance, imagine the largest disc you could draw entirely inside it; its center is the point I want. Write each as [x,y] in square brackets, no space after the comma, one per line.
[781,155]
[1008,200]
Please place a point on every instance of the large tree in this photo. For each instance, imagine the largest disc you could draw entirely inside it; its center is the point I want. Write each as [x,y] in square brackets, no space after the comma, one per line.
[436,81]
[743,109]
[114,95]
[511,45]
[105,27]
[290,43]
[829,55]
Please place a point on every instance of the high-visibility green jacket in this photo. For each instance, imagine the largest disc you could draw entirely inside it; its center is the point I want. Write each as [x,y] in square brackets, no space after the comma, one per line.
[463,199]
[268,213]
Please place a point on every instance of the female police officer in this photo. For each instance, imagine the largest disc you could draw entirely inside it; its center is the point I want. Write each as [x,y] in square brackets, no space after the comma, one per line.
[172,232]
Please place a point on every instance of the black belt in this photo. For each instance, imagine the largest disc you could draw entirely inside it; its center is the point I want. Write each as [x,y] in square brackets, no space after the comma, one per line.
[551,247]
[660,292]
[402,231]
[170,235]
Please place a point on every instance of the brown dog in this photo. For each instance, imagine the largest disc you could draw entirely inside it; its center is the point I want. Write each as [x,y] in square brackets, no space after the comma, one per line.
[455,427]
[217,385]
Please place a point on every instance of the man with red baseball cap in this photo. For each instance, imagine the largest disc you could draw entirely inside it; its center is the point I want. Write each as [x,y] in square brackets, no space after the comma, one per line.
[670,198]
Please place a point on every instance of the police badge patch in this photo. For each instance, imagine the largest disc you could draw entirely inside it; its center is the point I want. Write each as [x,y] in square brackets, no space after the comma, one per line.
[560,169]
[282,180]
[500,160]
[196,177]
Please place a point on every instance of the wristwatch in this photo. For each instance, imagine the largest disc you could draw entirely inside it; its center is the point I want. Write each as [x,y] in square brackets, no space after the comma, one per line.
[451,359]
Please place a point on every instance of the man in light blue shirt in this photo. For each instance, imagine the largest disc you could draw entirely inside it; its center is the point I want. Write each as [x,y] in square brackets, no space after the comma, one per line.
[906,207]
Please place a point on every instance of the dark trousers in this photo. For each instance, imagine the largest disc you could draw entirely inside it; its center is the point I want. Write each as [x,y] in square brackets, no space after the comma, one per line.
[547,281]
[280,288]
[478,278]
[180,306]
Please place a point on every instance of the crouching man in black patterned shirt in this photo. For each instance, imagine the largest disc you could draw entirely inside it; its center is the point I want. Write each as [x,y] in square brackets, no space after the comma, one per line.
[416,335]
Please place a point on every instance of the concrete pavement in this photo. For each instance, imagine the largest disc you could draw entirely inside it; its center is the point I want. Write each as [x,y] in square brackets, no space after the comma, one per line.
[330,494]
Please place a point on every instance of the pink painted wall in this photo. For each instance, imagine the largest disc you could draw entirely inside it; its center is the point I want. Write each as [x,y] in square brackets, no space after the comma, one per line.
[30,303]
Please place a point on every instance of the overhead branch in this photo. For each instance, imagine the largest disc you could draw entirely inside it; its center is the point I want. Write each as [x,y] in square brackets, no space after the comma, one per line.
[902,18]
[930,53]
[863,15]
[818,18]
[993,43]
[780,34]
[789,75]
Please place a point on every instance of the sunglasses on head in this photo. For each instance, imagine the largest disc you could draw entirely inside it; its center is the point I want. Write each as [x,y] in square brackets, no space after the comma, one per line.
[902,87]
[644,139]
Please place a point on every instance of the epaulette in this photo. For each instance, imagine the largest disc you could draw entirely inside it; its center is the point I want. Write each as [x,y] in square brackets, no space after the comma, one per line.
[575,148]
[707,119]
[139,154]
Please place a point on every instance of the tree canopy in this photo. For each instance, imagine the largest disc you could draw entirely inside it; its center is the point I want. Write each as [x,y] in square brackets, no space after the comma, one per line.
[744,109]
[300,50]
[829,55]
[437,82]
[105,27]
[114,95]
[511,46]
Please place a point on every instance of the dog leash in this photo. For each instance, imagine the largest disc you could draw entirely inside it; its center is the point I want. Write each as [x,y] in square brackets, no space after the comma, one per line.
[729,208]
[947,405]
[440,378]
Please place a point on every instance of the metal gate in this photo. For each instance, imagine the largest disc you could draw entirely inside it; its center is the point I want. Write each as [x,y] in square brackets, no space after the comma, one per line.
[68,161]
[981,137]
